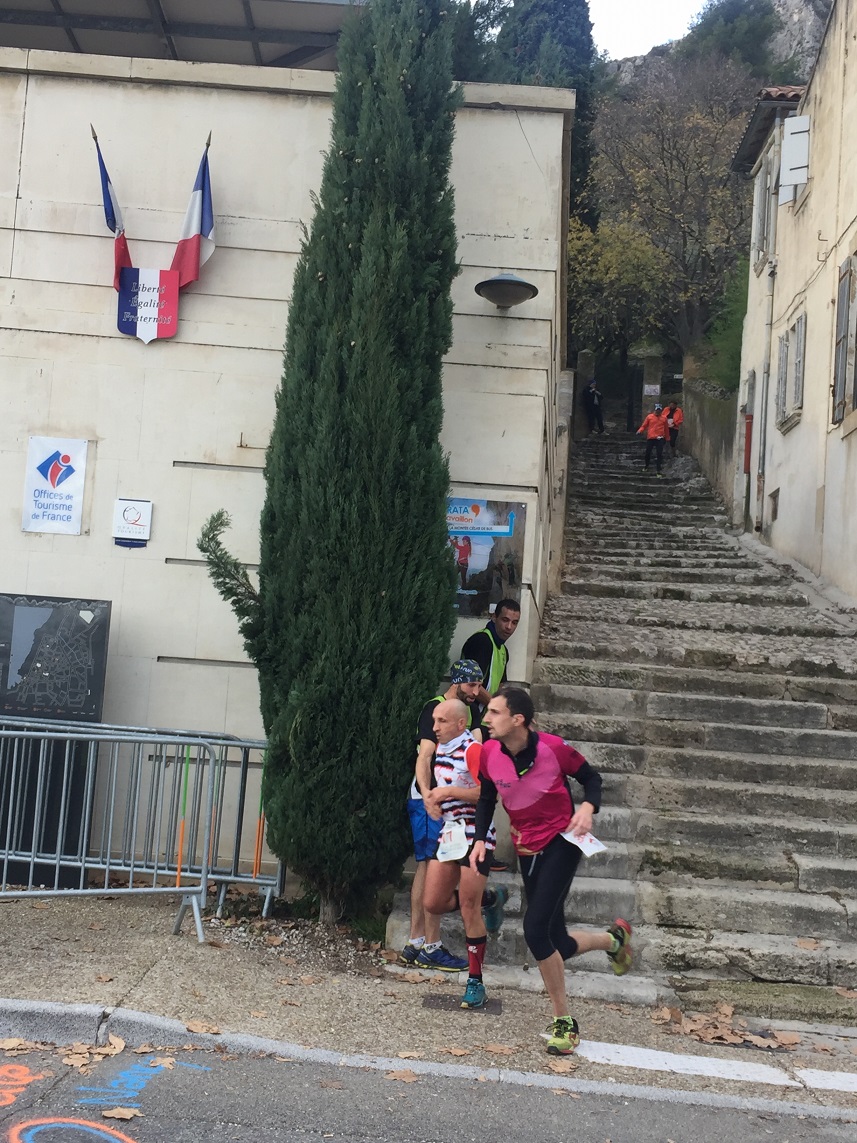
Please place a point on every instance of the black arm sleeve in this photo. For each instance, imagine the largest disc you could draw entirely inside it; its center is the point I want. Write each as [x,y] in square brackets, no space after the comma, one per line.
[479,647]
[591,781]
[485,808]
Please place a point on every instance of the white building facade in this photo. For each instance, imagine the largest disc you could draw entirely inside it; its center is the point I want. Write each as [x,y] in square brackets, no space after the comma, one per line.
[183,423]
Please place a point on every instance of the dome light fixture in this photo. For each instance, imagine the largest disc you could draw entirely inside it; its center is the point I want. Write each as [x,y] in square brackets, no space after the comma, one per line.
[506,290]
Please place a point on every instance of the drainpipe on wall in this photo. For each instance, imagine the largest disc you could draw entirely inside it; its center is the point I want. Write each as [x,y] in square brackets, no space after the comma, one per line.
[763,410]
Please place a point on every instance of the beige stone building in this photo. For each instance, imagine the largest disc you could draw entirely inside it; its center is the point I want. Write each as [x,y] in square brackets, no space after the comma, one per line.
[184,422]
[798,361]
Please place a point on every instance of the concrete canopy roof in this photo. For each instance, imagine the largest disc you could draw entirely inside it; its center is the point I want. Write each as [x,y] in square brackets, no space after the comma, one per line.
[274,33]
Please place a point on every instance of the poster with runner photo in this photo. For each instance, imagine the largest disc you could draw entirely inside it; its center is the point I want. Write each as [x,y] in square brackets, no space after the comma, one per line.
[487,538]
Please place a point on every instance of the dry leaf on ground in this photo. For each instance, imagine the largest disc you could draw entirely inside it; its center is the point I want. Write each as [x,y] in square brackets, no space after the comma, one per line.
[823,1048]
[807,943]
[122,1113]
[167,1062]
[787,1039]
[848,993]
[40,905]
[292,1003]
[415,977]
[144,1049]
[76,1059]
[563,1067]
[389,955]
[103,978]
[274,942]
[562,1091]
[311,979]
[114,1045]
[410,1055]
[331,1083]
[258,1015]
[499,1049]
[203,1027]
[14,1044]
[455,1051]
[404,1076]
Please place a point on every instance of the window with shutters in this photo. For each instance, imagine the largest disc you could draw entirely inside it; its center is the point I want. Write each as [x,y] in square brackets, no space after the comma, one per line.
[790,370]
[764,217]
[794,158]
[843,357]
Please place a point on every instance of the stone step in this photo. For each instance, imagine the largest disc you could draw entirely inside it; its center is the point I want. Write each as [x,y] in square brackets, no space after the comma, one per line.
[649,615]
[561,698]
[720,766]
[645,547]
[704,593]
[720,736]
[729,832]
[615,518]
[706,797]
[824,658]
[668,573]
[675,680]
[655,562]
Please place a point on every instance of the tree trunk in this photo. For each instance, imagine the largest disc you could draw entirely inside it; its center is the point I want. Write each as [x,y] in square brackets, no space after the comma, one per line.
[329,911]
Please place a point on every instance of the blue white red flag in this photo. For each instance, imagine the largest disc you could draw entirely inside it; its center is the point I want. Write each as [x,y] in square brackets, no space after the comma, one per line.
[196,244]
[148,303]
[113,217]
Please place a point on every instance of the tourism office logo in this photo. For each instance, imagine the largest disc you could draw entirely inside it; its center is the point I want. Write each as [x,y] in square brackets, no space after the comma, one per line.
[56,468]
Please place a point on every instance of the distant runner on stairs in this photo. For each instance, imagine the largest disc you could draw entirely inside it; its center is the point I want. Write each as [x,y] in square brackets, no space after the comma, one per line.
[656,430]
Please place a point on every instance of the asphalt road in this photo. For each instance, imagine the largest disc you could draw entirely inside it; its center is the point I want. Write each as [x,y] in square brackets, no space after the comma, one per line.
[209,1098]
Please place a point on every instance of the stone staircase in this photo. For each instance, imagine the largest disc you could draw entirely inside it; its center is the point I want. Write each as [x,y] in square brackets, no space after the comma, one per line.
[721,708]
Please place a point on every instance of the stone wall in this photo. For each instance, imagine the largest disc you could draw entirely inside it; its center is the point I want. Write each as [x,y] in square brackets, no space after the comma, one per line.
[708,433]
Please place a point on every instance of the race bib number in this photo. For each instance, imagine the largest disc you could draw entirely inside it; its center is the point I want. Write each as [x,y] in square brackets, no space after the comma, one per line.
[453,844]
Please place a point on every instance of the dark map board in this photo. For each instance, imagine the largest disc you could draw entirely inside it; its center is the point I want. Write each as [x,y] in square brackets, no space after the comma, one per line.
[53,657]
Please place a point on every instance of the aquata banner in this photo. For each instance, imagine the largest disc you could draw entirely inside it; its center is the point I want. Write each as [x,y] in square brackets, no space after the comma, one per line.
[148,303]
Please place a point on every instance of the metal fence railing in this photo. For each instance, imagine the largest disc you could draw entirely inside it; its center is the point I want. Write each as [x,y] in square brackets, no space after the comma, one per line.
[96,808]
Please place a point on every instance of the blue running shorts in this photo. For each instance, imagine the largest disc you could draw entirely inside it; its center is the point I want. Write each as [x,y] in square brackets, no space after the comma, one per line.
[426,830]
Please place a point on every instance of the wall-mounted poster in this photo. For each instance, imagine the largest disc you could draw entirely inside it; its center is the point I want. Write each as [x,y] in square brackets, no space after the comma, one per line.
[487,537]
[53,492]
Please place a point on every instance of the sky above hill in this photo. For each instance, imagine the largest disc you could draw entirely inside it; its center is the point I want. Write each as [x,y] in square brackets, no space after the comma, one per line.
[632,27]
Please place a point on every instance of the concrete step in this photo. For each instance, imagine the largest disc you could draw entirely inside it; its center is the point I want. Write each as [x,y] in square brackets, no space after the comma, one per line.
[558,698]
[703,593]
[587,562]
[668,574]
[719,736]
[687,615]
[749,834]
[706,797]
[676,680]
[825,658]
[720,766]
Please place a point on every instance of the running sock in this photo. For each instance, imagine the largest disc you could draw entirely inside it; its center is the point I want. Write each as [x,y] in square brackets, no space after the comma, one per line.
[615,945]
[430,948]
[417,942]
[475,956]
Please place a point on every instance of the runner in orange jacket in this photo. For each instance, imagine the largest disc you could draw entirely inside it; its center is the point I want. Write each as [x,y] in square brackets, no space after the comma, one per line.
[675,419]
[656,429]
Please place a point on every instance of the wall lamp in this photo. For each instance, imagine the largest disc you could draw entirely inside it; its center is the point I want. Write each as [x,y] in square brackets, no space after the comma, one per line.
[506,290]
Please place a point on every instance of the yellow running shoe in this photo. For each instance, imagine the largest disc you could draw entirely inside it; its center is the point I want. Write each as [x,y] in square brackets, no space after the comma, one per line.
[564,1036]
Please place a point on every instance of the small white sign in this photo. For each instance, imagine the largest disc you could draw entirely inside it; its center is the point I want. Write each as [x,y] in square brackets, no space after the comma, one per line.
[53,487]
[651,390]
[132,520]
[586,842]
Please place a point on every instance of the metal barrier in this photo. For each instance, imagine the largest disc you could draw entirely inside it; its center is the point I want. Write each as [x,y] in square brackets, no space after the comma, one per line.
[237,813]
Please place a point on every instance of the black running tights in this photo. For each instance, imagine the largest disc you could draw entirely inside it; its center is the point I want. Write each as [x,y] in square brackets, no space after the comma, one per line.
[547,880]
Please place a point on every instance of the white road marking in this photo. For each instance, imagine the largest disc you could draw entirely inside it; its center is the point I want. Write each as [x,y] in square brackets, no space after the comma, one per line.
[627,1056]
[827,1081]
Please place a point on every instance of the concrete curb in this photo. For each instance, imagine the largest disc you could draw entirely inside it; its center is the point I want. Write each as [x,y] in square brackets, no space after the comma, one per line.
[54,1023]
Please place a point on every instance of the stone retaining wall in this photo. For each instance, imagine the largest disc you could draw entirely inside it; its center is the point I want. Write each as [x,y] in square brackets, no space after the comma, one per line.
[709,433]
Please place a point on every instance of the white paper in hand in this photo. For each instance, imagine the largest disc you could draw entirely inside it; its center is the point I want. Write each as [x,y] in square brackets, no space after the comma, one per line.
[587,842]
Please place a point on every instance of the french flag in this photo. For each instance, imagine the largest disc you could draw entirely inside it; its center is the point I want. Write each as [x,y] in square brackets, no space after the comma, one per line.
[196,244]
[113,216]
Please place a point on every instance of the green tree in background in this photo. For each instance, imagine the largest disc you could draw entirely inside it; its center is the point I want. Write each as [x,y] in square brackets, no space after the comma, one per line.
[740,30]
[549,43]
[720,355]
[352,621]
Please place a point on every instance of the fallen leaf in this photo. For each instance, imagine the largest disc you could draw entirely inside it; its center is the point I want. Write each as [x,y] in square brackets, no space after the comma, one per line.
[274,942]
[411,1055]
[563,1067]
[103,978]
[122,1113]
[258,1015]
[283,1059]
[760,1041]
[201,1026]
[289,960]
[311,980]
[455,1051]
[807,943]
[848,993]
[285,980]
[114,1045]
[404,1076]
[482,1079]
[76,1061]
[499,1049]
[414,977]
[144,1050]
[727,1011]
[167,1062]
[562,1091]
[389,955]
[216,944]
[40,905]
[787,1039]
[330,1083]
[96,926]
[823,1048]
[11,1044]
[292,1003]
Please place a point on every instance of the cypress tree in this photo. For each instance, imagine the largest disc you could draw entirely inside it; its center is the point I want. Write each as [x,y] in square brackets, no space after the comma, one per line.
[351,625]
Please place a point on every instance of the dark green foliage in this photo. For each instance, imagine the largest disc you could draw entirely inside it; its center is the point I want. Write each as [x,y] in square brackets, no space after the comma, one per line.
[722,357]
[356,575]
[549,43]
[740,30]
